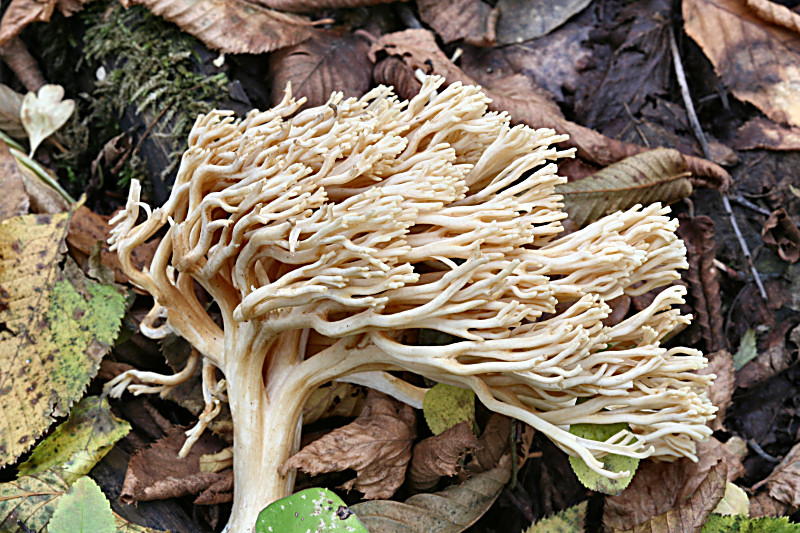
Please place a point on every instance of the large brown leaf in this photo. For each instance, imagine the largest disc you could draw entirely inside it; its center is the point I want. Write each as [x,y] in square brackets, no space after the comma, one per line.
[233,26]
[698,235]
[313,5]
[327,62]
[690,515]
[417,49]
[472,21]
[522,20]
[656,176]
[783,483]
[377,445]
[759,63]
[452,510]
[440,455]
[14,200]
[762,133]
[20,13]
[10,104]
[721,391]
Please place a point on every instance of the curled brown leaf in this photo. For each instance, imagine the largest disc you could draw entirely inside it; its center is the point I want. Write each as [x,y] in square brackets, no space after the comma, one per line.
[377,445]
[781,232]
[440,455]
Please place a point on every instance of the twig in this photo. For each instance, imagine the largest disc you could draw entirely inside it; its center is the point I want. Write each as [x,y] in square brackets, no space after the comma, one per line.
[701,138]
[744,202]
[16,55]
[761,453]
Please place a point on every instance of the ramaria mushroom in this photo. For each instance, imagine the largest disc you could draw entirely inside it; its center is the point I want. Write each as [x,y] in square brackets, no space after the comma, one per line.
[327,238]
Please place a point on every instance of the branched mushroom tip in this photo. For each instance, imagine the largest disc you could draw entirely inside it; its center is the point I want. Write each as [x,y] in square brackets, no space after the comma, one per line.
[303,246]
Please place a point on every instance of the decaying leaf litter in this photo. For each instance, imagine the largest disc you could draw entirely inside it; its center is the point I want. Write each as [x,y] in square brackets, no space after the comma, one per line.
[660,107]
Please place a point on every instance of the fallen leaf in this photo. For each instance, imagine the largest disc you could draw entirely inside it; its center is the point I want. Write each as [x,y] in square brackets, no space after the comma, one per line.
[10,104]
[613,462]
[733,502]
[747,349]
[83,509]
[29,501]
[452,510]
[570,520]
[522,20]
[417,49]
[659,487]
[721,391]
[440,455]
[334,399]
[377,445]
[743,524]
[328,61]
[771,359]
[775,14]
[783,484]
[444,406]
[659,175]
[315,509]
[759,63]
[690,515]
[56,327]
[762,133]
[15,200]
[20,13]
[781,232]
[698,236]
[44,113]
[79,443]
[87,229]
[472,21]
[762,504]
[157,473]
[492,444]
[232,26]
[313,5]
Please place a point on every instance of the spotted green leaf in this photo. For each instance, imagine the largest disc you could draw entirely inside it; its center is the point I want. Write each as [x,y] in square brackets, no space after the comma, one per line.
[445,406]
[570,520]
[319,510]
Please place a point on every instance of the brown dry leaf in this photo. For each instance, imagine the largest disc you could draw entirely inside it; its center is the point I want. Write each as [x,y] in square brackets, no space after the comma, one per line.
[772,357]
[522,20]
[452,510]
[658,175]
[781,232]
[762,133]
[690,515]
[303,6]
[417,49]
[327,62]
[721,392]
[20,13]
[783,483]
[762,504]
[440,455]
[659,487]
[377,445]
[775,14]
[698,235]
[233,26]
[87,228]
[759,63]
[157,473]
[14,200]
[10,104]
[472,21]
[492,444]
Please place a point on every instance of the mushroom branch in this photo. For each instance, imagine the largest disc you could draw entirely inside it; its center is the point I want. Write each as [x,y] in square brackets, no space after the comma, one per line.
[303,246]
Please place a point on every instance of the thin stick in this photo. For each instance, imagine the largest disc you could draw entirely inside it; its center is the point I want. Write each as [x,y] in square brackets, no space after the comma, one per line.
[701,138]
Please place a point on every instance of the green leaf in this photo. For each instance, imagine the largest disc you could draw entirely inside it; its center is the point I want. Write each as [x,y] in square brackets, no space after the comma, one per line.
[616,463]
[57,325]
[83,509]
[79,443]
[319,510]
[741,524]
[569,520]
[747,349]
[658,175]
[63,457]
[445,406]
